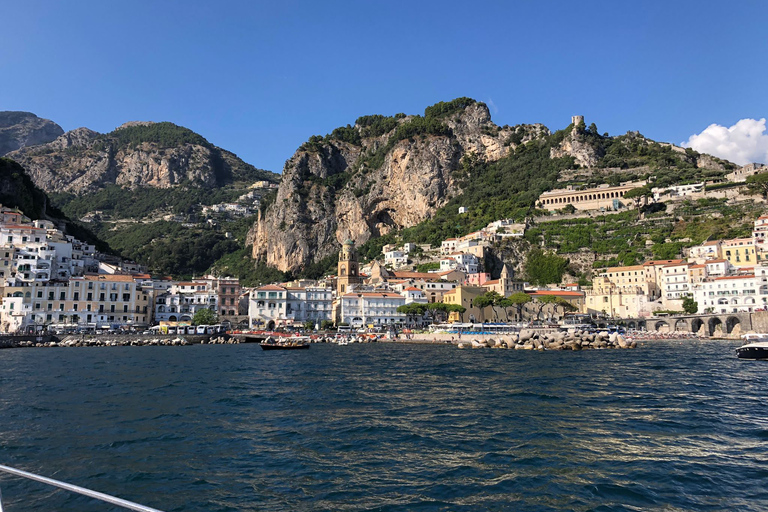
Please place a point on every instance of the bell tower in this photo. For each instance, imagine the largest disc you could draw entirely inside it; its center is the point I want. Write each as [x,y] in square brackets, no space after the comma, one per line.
[348,271]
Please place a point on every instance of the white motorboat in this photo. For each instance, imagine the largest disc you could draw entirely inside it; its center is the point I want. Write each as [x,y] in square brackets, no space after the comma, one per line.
[755,347]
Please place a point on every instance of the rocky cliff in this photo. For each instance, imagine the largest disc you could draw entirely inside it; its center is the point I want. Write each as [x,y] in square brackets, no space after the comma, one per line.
[136,154]
[382,174]
[22,129]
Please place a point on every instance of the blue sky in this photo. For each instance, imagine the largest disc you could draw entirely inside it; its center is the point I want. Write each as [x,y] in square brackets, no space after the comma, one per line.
[258,78]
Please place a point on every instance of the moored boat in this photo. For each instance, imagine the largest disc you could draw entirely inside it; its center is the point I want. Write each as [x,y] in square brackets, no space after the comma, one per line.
[755,348]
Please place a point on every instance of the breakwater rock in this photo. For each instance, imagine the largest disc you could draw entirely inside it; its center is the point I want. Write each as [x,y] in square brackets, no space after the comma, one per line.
[573,340]
[116,341]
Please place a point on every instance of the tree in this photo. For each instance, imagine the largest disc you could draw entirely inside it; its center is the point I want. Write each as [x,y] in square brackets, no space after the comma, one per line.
[544,268]
[412,310]
[519,300]
[757,184]
[690,306]
[205,317]
[309,325]
[562,303]
[542,301]
[638,195]
[491,299]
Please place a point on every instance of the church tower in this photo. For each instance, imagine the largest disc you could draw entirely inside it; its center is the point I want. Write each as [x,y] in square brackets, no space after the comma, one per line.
[349,271]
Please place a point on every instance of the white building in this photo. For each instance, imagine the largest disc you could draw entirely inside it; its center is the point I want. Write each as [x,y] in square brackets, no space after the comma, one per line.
[372,309]
[448,245]
[413,294]
[676,284]
[760,236]
[314,304]
[677,191]
[467,263]
[409,247]
[706,251]
[274,306]
[730,294]
[182,300]
[395,258]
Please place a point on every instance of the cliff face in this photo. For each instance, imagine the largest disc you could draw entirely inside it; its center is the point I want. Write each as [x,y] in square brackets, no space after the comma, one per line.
[22,129]
[135,155]
[334,189]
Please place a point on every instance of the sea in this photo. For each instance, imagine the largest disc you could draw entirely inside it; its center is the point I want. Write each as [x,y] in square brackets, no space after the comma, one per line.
[669,426]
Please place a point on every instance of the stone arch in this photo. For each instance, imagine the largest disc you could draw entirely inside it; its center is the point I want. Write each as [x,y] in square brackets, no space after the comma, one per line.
[172,318]
[631,324]
[271,325]
[661,326]
[641,324]
[731,322]
[681,325]
[713,324]
[696,324]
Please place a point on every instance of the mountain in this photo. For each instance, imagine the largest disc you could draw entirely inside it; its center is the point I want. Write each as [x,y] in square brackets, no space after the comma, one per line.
[137,154]
[18,191]
[408,175]
[143,188]
[22,129]
[378,176]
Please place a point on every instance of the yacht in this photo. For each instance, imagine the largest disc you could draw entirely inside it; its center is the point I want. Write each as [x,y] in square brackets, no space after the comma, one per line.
[755,347]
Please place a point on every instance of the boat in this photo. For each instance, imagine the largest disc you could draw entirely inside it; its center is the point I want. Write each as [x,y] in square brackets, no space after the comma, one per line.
[755,348]
[292,343]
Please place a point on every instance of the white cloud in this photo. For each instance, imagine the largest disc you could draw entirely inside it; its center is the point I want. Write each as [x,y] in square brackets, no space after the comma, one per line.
[742,143]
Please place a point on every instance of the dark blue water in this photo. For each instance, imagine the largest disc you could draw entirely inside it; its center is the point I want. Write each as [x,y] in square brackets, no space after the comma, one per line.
[669,426]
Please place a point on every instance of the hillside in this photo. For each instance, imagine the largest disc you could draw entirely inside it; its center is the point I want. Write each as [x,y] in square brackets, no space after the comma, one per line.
[143,187]
[18,191]
[22,129]
[378,176]
[403,178]
[135,155]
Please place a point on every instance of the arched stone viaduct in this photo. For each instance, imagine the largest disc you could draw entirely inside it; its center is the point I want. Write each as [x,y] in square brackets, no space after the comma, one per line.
[723,322]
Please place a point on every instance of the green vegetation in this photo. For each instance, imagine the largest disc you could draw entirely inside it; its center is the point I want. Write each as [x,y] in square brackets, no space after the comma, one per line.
[431,310]
[205,317]
[165,135]
[507,188]
[544,268]
[18,191]
[426,267]
[690,306]
[123,203]
[758,184]
[416,126]
[447,108]
[375,125]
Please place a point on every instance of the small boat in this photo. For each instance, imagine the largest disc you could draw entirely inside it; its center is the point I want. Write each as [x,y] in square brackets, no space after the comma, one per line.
[755,348]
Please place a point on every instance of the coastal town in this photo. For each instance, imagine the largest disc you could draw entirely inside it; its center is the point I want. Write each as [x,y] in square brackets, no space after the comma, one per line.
[52,282]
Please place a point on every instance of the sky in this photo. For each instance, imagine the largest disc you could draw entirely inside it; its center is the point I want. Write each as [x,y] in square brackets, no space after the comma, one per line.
[259,78]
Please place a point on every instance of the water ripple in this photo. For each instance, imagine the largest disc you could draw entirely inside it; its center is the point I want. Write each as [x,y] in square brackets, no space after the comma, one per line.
[666,427]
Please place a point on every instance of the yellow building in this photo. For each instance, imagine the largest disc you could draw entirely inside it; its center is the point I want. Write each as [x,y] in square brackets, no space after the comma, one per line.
[740,252]
[463,296]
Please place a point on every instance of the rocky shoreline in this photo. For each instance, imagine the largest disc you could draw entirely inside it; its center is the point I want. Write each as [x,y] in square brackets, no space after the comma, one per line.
[575,340]
[116,341]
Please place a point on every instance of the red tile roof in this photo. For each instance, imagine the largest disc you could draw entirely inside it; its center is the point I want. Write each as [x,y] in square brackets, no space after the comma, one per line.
[563,293]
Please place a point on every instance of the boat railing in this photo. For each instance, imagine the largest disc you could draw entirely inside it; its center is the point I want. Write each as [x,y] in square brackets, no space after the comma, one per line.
[76,489]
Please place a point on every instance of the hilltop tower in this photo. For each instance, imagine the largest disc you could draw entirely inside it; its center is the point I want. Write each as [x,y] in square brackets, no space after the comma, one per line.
[577,120]
[349,271]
